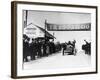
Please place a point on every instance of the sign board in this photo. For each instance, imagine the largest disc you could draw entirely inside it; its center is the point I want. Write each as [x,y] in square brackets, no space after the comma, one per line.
[69,27]
[33,32]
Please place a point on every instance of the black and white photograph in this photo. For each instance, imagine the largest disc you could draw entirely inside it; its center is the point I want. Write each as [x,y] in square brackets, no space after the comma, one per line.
[55,39]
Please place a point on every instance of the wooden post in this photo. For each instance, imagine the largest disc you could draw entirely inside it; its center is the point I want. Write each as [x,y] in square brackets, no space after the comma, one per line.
[45,52]
[26,17]
[45,30]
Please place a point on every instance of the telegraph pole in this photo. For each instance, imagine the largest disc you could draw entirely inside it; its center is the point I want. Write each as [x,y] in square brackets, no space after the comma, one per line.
[45,29]
[26,18]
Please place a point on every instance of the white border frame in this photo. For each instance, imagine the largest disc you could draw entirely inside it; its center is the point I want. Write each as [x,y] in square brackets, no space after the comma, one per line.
[21,72]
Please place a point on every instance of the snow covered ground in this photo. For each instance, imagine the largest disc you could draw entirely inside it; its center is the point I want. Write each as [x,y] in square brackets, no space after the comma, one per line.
[57,61]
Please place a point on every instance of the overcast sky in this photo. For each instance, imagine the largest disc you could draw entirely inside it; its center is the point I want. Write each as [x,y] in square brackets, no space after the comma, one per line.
[39,17]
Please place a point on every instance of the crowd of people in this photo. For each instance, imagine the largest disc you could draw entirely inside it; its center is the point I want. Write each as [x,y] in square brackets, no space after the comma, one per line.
[37,48]
[87,47]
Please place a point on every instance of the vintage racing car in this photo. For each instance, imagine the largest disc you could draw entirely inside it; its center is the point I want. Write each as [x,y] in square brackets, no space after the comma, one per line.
[69,48]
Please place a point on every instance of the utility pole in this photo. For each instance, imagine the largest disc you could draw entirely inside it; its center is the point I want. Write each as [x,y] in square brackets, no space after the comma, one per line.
[26,18]
[45,30]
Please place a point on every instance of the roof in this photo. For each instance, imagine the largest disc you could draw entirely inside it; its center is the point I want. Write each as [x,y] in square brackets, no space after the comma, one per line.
[47,34]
